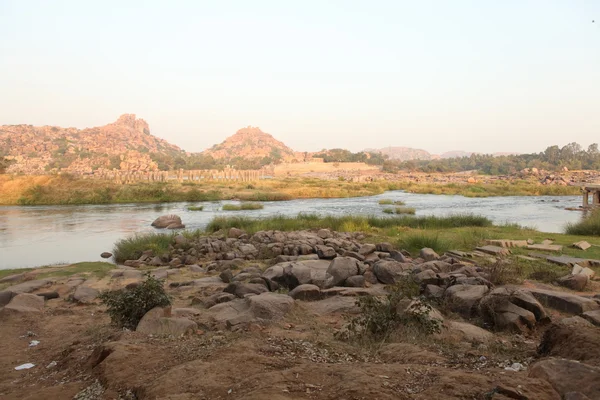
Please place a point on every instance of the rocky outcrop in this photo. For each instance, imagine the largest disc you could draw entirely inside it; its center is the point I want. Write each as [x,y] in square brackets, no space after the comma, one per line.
[125,144]
[168,222]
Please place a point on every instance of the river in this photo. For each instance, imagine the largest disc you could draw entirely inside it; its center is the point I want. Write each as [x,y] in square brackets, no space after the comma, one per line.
[43,235]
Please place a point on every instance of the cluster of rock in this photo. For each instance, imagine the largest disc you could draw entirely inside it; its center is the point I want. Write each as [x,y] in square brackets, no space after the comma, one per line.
[35,150]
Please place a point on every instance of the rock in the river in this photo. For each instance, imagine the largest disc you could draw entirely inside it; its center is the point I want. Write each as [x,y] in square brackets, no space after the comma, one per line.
[168,222]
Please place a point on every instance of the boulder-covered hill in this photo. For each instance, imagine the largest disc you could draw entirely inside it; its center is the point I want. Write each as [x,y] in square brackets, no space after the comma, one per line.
[124,144]
[251,143]
[402,153]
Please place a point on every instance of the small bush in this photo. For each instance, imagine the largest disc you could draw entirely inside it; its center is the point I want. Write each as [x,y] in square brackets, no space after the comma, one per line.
[195,208]
[419,240]
[399,203]
[404,210]
[127,307]
[379,317]
[588,226]
[388,210]
[133,247]
[386,201]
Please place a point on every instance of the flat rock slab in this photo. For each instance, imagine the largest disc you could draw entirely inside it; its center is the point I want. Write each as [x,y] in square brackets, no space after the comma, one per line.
[562,301]
[24,303]
[567,260]
[493,250]
[583,245]
[85,294]
[210,281]
[507,243]
[377,290]
[12,278]
[261,308]
[331,305]
[546,247]
[30,286]
[592,316]
[567,376]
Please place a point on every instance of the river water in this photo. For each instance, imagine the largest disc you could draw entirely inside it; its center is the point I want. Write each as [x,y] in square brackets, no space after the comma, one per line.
[44,235]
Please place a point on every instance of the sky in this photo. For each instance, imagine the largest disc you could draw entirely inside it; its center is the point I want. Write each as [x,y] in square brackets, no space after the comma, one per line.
[475,75]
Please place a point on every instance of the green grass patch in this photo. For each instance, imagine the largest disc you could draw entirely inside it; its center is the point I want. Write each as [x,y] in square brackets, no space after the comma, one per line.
[415,241]
[195,208]
[405,210]
[589,225]
[348,223]
[521,188]
[386,201]
[388,210]
[132,248]
[243,206]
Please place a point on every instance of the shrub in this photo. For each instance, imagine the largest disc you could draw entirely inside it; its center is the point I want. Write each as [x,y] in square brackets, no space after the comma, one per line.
[386,201]
[379,317]
[419,240]
[388,210]
[126,307]
[195,208]
[133,247]
[404,210]
[589,225]
[243,206]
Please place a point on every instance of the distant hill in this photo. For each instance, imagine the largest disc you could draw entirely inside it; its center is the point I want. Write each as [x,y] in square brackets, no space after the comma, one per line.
[251,143]
[456,154]
[402,153]
[124,144]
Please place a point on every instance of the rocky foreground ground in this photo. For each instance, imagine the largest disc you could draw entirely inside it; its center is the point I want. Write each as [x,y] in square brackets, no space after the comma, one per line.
[262,317]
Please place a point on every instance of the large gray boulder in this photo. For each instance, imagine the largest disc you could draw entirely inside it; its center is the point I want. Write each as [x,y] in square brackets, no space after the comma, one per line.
[240,289]
[262,308]
[562,301]
[85,294]
[169,222]
[463,299]
[513,310]
[289,274]
[159,321]
[388,271]
[428,254]
[340,269]
[24,303]
[568,376]
[306,292]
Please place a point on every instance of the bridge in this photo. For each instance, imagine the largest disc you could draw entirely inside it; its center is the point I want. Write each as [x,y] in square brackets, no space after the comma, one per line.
[595,191]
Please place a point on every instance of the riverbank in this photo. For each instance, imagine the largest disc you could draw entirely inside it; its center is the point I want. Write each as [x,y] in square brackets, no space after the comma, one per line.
[66,189]
[335,314]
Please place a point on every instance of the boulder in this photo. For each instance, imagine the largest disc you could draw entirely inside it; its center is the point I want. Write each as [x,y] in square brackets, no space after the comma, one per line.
[516,311]
[398,256]
[384,247]
[29,286]
[106,254]
[240,289]
[85,294]
[579,270]
[340,269]
[5,297]
[24,303]
[324,233]
[428,254]
[168,222]
[306,292]
[582,245]
[235,233]
[158,321]
[592,316]
[354,254]
[434,292]
[465,332]
[463,299]
[568,376]
[574,282]
[217,298]
[226,276]
[262,308]
[366,249]
[12,278]
[563,301]
[388,271]
[355,281]
[325,252]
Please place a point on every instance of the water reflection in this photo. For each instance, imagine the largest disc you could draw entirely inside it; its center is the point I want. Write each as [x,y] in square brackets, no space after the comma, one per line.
[41,235]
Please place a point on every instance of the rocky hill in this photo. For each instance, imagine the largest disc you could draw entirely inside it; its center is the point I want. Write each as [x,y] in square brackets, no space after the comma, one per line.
[402,153]
[251,143]
[124,144]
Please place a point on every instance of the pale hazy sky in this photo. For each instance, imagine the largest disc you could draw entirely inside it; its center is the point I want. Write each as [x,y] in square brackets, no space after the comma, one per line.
[478,75]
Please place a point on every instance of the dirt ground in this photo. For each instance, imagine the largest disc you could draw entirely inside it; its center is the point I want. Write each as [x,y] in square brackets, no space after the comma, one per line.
[80,355]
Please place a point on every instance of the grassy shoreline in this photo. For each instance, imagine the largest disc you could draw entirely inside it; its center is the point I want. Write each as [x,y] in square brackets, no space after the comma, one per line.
[65,190]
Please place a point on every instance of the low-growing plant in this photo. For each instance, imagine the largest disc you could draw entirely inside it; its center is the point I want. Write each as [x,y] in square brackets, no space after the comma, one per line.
[126,307]
[388,210]
[386,201]
[195,208]
[405,210]
[132,248]
[243,206]
[380,317]
[415,241]
[589,225]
